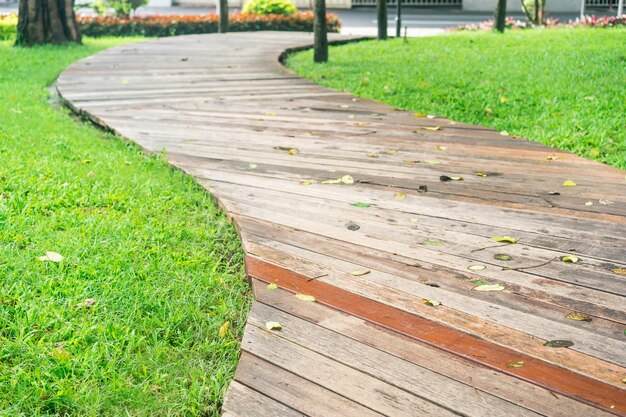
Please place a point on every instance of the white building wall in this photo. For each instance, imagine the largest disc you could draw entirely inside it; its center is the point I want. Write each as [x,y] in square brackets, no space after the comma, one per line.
[515,5]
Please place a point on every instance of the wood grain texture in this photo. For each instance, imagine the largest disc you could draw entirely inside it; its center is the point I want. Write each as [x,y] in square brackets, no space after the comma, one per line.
[226,112]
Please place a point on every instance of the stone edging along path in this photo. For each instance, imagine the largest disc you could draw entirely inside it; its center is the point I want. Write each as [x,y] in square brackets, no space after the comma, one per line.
[337,199]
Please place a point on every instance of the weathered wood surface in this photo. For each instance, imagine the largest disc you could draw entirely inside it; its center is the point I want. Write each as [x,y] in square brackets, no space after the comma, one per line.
[227,112]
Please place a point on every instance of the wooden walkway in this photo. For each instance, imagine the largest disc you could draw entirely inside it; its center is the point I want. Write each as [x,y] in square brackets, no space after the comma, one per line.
[401,326]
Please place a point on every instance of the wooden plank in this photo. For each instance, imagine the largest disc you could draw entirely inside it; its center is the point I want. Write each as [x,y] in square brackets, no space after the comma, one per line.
[332,375]
[295,391]
[243,401]
[419,381]
[516,391]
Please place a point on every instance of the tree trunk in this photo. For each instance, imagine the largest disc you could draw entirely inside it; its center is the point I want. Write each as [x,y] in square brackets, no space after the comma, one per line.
[47,21]
[398,18]
[500,15]
[222,10]
[381,16]
[320,47]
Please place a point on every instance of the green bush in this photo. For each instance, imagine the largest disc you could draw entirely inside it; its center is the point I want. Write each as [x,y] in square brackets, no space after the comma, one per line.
[285,7]
[8,26]
[121,7]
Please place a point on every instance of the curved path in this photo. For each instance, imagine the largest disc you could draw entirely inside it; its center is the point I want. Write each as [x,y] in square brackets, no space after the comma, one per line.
[400,326]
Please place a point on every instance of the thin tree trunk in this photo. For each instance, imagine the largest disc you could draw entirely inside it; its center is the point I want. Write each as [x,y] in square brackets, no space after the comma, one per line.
[398,18]
[381,16]
[47,21]
[222,10]
[500,15]
[320,47]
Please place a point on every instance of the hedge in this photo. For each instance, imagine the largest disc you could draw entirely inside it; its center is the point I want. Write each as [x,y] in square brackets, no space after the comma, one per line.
[160,26]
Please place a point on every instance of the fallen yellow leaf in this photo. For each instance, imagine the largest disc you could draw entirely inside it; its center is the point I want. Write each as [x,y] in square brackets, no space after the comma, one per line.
[578,316]
[292,151]
[273,325]
[517,364]
[489,287]
[305,297]
[399,196]
[504,239]
[619,271]
[432,303]
[272,286]
[372,155]
[441,148]
[432,128]
[569,183]
[52,257]
[572,259]
[306,182]
[224,329]
[359,273]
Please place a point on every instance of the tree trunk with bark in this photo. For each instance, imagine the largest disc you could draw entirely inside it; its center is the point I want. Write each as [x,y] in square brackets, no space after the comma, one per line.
[222,9]
[320,45]
[381,16]
[500,17]
[47,21]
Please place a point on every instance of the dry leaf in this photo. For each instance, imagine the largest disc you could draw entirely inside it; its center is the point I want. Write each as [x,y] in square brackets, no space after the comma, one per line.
[445,178]
[305,297]
[504,133]
[270,113]
[503,100]
[569,183]
[391,151]
[87,303]
[432,303]
[431,116]
[252,166]
[347,179]
[619,271]
[572,259]
[481,174]
[410,161]
[489,287]
[432,161]
[52,257]
[559,343]
[441,148]
[433,243]
[124,82]
[337,181]
[352,226]
[306,182]
[292,151]
[502,257]
[578,316]
[551,158]
[605,202]
[399,196]
[272,286]
[224,329]
[372,155]
[60,354]
[432,128]
[476,267]
[273,325]
[359,273]
[517,364]
[589,203]
[419,114]
[504,239]
[345,106]
[413,220]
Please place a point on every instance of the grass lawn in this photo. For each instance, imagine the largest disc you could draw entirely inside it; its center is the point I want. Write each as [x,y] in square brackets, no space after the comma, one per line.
[128,324]
[562,87]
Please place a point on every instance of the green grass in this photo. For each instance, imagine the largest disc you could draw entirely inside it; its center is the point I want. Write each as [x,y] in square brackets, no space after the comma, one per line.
[142,239]
[562,87]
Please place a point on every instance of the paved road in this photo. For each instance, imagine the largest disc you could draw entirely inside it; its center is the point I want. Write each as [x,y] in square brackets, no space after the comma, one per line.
[419,21]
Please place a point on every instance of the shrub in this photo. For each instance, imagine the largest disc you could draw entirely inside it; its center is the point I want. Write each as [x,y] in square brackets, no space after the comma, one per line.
[186,25]
[8,26]
[587,21]
[121,7]
[269,7]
